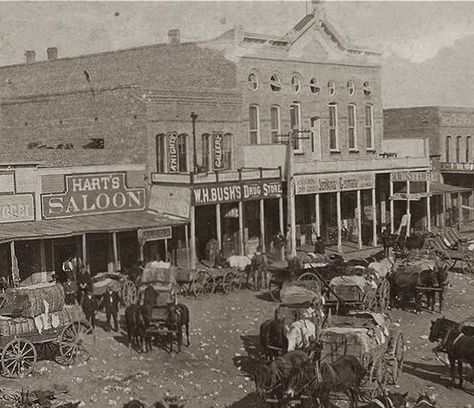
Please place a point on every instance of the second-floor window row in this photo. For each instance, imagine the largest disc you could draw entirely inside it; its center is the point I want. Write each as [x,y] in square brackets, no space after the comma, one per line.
[462,149]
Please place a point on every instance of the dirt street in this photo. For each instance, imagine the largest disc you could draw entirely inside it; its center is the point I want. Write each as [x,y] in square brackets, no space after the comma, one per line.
[211,372]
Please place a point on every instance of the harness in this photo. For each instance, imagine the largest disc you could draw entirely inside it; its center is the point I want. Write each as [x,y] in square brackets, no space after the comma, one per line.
[424,401]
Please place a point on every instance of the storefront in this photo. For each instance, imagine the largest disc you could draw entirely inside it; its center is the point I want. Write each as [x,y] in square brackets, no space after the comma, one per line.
[236,216]
[100,217]
[339,207]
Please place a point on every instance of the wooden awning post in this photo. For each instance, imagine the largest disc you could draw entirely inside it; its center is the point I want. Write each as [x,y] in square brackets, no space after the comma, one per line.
[115,251]
[186,239]
[392,223]
[339,222]
[15,270]
[359,220]
[374,217]
[84,252]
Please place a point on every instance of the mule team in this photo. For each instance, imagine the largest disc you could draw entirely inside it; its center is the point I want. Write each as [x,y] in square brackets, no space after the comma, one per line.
[290,359]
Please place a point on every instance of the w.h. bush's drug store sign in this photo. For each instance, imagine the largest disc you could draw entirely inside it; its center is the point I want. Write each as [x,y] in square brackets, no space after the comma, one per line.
[93,194]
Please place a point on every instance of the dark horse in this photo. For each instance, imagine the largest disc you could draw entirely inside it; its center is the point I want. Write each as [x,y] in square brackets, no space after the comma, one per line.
[456,343]
[137,322]
[273,338]
[390,400]
[178,316]
[404,282]
[344,375]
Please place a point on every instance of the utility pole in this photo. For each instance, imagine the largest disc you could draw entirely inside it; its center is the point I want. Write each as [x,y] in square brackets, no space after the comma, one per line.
[291,221]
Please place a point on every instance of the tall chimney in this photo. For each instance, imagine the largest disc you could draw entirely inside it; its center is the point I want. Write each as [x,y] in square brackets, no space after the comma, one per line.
[52,53]
[30,56]
[173,36]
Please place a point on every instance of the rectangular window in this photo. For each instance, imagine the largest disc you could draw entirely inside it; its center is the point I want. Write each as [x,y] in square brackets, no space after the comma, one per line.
[448,148]
[352,127]
[182,153]
[295,122]
[254,124]
[333,136]
[458,149]
[369,127]
[160,153]
[205,151]
[227,150]
[275,122]
[468,149]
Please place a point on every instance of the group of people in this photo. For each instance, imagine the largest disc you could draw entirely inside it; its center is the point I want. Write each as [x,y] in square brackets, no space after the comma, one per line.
[78,289]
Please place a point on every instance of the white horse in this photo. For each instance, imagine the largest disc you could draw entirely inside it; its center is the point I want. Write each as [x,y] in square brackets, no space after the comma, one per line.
[300,334]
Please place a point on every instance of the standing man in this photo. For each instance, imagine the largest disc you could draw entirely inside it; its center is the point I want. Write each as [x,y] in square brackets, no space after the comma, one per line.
[84,283]
[319,247]
[89,307]
[110,302]
[259,266]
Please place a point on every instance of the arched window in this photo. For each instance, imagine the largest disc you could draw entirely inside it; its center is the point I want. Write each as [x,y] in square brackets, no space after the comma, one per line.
[448,149]
[366,89]
[296,83]
[458,149]
[331,87]
[275,83]
[369,127]
[253,81]
[333,133]
[254,124]
[350,87]
[468,149]
[314,86]
[275,122]
[160,153]
[352,126]
[183,152]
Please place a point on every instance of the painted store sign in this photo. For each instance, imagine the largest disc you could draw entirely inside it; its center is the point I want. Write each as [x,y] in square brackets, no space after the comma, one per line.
[16,207]
[93,194]
[311,184]
[173,164]
[236,192]
[154,234]
[413,176]
[218,151]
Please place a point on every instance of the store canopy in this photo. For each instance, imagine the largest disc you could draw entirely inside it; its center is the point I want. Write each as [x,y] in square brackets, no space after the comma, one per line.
[439,188]
[87,224]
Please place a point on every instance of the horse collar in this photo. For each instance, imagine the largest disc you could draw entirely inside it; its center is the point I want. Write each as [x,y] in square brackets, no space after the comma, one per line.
[382,405]
[425,401]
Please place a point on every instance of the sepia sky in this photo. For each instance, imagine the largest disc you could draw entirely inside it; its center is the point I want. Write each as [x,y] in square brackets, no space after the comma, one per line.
[414,32]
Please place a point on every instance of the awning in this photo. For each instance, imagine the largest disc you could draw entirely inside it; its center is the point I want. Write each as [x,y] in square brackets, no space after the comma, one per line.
[87,224]
[435,189]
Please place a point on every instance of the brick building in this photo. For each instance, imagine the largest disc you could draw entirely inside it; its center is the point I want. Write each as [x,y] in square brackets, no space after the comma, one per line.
[210,121]
[450,131]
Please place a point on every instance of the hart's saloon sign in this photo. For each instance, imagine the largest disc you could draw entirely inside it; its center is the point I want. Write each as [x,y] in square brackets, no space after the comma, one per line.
[93,194]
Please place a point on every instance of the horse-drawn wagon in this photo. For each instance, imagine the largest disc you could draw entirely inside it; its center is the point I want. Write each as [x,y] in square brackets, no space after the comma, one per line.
[35,320]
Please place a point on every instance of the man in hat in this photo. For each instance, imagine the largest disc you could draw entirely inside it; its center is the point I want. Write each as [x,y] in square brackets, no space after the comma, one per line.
[85,283]
[110,302]
[70,290]
[89,307]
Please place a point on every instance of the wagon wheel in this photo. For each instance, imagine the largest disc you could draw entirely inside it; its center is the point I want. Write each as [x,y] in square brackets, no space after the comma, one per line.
[74,341]
[229,282]
[203,283]
[18,358]
[309,281]
[377,378]
[383,295]
[274,288]
[396,356]
[129,293]
[430,244]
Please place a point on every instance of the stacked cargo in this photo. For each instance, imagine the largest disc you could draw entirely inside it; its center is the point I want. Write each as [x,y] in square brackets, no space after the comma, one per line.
[34,309]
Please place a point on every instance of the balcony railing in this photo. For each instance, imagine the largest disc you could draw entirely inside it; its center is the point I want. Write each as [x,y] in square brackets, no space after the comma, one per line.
[457,167]
[218,176]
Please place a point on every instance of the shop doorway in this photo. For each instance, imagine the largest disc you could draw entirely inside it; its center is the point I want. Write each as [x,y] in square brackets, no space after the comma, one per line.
[155,251]
[28,256]
[230,229]
[205,228]
[128,249]
[99,253]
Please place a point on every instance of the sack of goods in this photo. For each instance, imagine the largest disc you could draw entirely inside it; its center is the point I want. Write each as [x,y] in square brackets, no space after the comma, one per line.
[292,294]
[158,272]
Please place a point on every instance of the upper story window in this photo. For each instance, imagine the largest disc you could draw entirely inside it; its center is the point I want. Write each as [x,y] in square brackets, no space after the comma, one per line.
[331,87]
[275,122]
[458,149]
[296,83]
[253,81]
[366,89]
[448,149]
[314,86]
[221,151]
[350,87]
[468,149]
[369,127]
[254,124]
[352,126]
[160,153]
[333,130]
[295,122]
[206,140]
[183,153]
[275,83]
